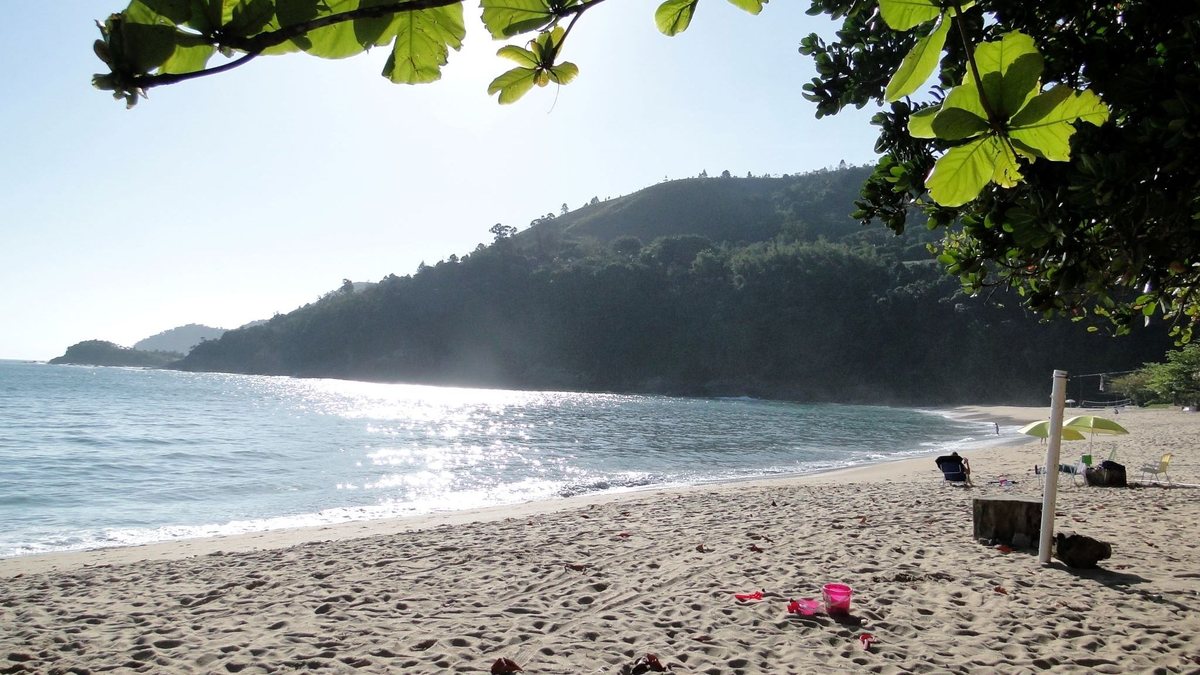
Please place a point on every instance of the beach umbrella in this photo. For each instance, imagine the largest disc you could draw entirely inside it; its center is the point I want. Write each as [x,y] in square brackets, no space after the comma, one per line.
[1042,430]
[1092,425]
[1095,425]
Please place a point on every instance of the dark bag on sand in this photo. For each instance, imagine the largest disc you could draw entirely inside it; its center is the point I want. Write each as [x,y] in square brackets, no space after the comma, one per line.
[1079,551]
[1108,474]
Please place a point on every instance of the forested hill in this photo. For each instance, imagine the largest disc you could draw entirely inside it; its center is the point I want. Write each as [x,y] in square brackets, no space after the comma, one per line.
[814,308]
[179,339]
[723,209]
[104,353]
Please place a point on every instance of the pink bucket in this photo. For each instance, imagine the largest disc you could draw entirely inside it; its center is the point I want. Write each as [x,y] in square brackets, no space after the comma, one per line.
[837,598]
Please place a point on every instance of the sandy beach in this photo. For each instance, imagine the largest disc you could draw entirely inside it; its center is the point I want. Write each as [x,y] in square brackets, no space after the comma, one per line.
[590,585]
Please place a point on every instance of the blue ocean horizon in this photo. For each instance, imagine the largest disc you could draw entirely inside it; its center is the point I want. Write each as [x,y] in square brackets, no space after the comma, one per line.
[96,457]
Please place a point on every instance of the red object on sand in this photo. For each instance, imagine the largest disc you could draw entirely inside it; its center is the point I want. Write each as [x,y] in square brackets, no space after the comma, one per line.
[647,664]
[805,607]
[867,640]
[756,595]
[504,666]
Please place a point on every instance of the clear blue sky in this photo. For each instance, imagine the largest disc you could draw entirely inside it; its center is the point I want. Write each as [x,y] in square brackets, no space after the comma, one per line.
[231,198]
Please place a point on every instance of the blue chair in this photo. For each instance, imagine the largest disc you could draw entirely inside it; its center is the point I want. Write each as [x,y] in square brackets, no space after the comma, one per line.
[955,469]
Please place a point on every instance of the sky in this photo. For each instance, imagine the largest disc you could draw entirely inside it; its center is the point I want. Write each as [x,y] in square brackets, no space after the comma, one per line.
[238,196]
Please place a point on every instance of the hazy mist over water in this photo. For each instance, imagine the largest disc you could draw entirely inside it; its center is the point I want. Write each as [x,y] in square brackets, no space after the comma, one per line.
[98,457]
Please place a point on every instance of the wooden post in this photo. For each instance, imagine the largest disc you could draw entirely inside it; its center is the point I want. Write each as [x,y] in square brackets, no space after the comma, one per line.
[1058,399]
[1007,520]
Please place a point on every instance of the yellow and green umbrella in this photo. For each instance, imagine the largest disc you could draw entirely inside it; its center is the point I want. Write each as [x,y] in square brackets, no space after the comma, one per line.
[1092,425]
[1042,430]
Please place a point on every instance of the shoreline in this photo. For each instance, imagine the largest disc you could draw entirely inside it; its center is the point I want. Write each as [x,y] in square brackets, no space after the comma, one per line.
[175,549]
[598,581]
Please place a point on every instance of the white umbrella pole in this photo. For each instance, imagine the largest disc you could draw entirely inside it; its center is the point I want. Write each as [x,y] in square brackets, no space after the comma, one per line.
[1058,397]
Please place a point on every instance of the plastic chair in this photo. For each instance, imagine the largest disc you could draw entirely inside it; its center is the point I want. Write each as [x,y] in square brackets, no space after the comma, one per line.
[1160,469]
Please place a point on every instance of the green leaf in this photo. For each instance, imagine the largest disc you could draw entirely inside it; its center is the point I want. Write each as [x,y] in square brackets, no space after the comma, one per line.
[920,123]
[146,47]
[961,174]
[334,42]
[966,97]
[546,45]
[1025,150]
[206,15]
[954,11]
[239,17]
[564,72]
[167,12]
[191,55]
[539,66]
[292,12]
[752,6]
[1045,123]
[1026,230]
[918,64]
[506,18]
[152,40]
[382,30]
[1010,69]
[339,40]
[1007,171]
[519,54]
[953,124]
[907,14]
[513,85]
[423,44]
[674,16]
[248,17]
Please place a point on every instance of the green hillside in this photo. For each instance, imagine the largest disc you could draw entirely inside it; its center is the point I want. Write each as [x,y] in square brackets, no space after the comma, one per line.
[180,339]
[734,210]
[709,286]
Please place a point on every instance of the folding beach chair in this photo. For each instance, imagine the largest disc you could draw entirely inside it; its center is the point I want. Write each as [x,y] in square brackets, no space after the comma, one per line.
[1160,469]
[954,470]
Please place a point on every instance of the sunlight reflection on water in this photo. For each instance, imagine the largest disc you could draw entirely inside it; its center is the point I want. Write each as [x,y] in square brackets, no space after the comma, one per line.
[104,456]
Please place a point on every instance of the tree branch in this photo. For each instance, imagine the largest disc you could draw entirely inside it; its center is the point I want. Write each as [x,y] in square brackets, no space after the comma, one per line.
[993,119]
[147,81]
[256,45]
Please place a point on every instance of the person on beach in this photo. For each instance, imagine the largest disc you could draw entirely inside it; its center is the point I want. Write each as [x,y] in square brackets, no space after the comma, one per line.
[956,459]
[997,427]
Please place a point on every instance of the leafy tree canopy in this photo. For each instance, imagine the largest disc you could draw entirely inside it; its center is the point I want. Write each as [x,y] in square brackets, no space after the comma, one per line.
[1113,231]
[1054,143]
[1177,380]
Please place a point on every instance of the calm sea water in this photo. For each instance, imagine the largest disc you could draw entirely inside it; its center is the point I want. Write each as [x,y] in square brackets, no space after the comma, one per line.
[93,457]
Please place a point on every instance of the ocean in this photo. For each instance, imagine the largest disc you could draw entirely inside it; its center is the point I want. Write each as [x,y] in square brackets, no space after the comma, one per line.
[97,457]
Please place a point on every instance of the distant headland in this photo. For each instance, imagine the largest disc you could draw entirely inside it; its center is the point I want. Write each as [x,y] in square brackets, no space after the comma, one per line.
[155,351]
[104,353]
